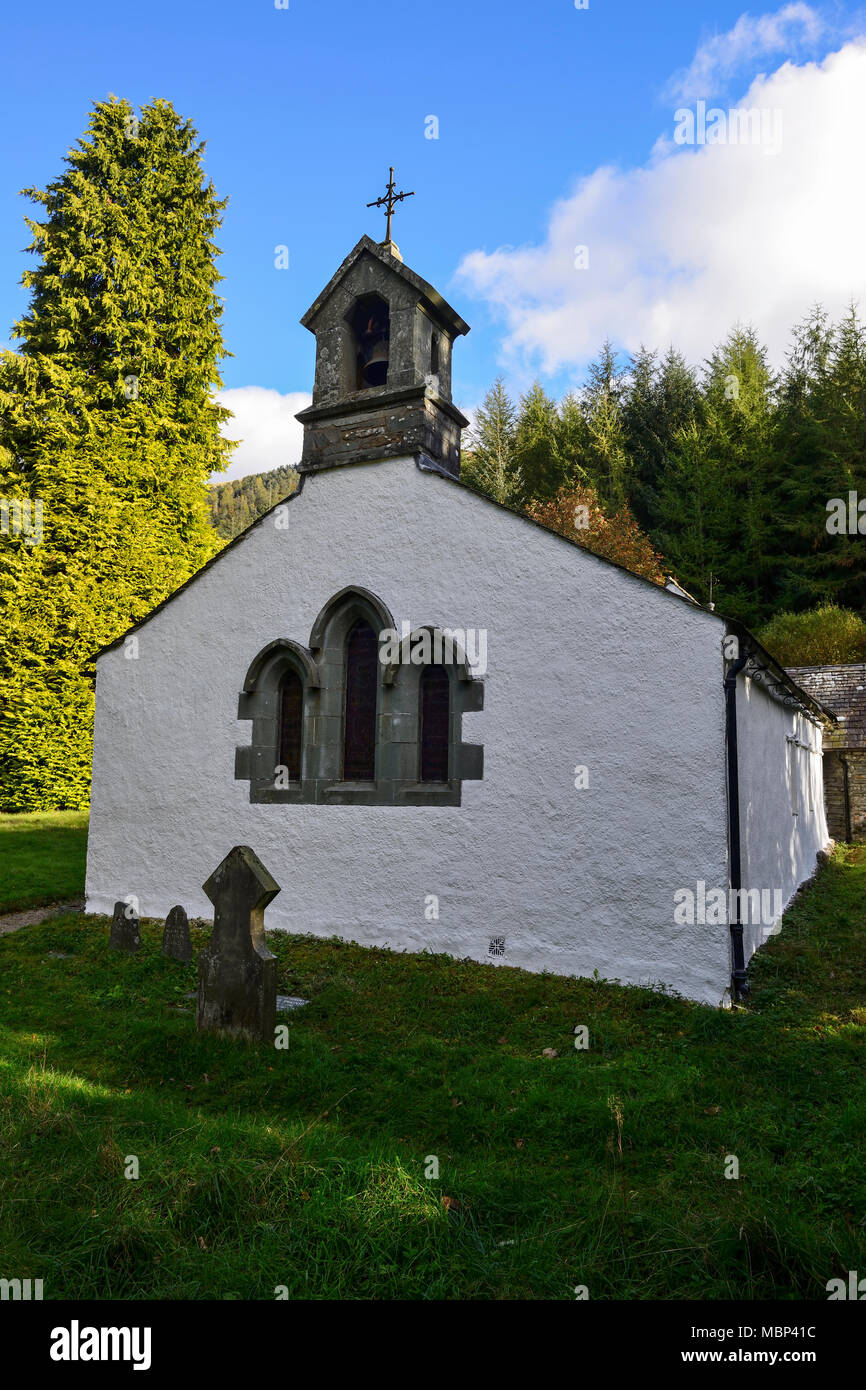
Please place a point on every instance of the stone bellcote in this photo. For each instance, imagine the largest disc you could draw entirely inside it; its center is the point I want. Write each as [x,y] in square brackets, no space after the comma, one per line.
[383,366]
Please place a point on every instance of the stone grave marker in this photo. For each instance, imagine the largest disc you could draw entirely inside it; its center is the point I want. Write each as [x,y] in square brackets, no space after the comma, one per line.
[175,938]
[237,975]
[125,935]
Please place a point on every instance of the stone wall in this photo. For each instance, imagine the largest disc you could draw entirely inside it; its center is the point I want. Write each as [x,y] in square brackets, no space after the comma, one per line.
[834,795]
[857,793]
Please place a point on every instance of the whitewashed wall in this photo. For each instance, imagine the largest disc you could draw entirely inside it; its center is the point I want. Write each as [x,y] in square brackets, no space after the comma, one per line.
[586,665]
[779,848]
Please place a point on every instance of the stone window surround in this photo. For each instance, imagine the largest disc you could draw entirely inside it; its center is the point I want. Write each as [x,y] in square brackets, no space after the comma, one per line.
[321,668]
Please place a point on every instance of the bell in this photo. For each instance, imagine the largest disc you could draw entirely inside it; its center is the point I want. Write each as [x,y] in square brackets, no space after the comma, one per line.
[375,369]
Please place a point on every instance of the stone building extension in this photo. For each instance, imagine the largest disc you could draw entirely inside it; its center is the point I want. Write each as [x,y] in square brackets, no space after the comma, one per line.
[842,690]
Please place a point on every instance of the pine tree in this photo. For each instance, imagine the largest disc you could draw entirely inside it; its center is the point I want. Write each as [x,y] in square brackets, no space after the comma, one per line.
[661,398]
[607,462]
[488,462]
[107,416]
[541,470]
[692,505]
[740,397]
[821,440]
[715,494]
[573,440]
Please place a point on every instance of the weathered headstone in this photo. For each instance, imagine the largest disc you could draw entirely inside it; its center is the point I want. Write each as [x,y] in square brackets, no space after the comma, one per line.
[237,975]
[175,938]
[125,935]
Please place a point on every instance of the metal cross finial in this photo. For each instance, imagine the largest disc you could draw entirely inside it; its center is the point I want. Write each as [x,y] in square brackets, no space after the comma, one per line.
[388,202]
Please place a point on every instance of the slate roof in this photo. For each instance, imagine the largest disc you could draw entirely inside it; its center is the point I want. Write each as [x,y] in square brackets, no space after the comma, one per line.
[841,689]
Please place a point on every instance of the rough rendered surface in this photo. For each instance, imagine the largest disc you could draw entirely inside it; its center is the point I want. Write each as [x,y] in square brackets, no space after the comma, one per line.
[587,665]
[782,819]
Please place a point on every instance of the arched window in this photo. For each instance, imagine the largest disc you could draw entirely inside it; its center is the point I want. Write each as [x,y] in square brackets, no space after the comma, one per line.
[351,730]
[291,724]
[281,696]
[362,683]
[435,722]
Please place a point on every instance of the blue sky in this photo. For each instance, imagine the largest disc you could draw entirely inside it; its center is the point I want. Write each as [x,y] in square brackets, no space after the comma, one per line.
[550,123]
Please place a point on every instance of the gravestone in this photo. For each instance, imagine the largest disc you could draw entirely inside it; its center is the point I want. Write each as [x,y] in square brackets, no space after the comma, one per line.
[175,938]
[125,935]
[237,975]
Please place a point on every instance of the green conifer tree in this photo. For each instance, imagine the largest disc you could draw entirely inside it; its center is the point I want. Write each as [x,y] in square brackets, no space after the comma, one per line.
[488,460]
[573,439]
[715,500]
[108,418]
[821,445]
[607,460]
[541,470]
[661,398]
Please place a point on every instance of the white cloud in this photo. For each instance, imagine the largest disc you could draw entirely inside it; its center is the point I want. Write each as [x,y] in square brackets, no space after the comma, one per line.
[265,424]
[699,237]
[750,40]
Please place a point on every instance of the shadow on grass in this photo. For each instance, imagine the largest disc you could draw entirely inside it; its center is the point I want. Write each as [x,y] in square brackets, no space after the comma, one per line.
[315,1168]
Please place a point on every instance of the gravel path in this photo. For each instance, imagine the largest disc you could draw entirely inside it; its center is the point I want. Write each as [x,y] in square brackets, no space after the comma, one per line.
[13,920]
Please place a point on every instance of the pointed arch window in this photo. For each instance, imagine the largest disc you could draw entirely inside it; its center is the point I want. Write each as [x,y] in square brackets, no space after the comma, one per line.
[291,724]
[332,725]
[362,684]
[435,719]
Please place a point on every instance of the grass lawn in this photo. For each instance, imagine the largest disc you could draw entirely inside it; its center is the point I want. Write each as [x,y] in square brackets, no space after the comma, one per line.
[307,1167]
[42,858]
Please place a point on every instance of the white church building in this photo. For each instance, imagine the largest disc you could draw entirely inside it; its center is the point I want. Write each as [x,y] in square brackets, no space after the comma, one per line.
[441,726]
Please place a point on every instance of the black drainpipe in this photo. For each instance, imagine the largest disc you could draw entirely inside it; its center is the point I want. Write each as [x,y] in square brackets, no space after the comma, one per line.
[739,983]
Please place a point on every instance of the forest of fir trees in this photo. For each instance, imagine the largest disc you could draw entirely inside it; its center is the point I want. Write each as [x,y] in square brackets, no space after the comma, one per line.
[726,473]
